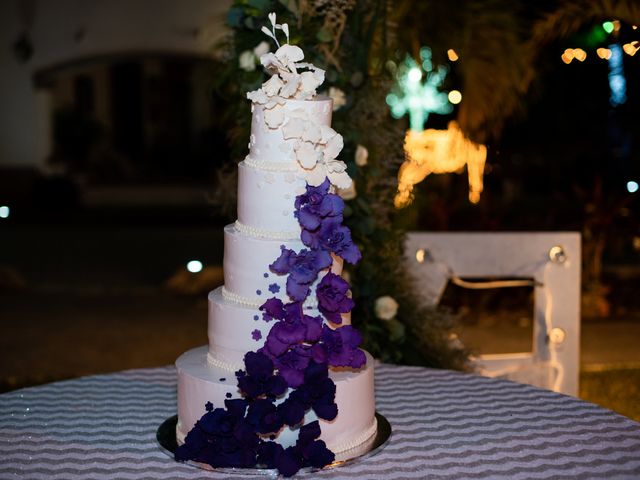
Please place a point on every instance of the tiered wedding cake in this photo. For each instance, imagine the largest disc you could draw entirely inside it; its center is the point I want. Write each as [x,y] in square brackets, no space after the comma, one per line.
[283,299]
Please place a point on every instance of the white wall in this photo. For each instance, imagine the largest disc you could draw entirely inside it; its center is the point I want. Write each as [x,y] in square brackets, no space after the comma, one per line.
[108,26]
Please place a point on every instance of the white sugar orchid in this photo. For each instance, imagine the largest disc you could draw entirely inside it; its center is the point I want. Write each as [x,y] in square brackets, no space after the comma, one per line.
[311,133]
[335,171]
[272,86]
[285,62]
[258,96]
[333,147]
[293,130]
[274,117]
[291,84]
[307,155]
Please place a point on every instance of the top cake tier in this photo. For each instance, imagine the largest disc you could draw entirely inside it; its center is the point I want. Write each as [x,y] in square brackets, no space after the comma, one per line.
[268,146]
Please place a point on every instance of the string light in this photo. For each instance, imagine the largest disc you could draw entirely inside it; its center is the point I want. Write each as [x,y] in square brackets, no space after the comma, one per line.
[431,151]
[452,55]
[579,54]
[416,97]
[455,97]
[617,80]
[567,56]
[632,187]
[4,211]
[415,75]
[440,151]
[608,26]
[604,53]
[631,48]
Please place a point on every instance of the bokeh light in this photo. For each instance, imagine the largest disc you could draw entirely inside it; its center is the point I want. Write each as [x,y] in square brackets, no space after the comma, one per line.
[4,211]
[455,97]
[415,75]
[632,187]
[194,266]
[579,54]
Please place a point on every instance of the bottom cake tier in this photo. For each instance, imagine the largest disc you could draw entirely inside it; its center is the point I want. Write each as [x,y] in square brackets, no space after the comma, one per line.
[355,425]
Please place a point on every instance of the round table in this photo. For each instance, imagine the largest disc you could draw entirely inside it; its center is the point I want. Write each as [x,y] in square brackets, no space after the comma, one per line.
[445,425]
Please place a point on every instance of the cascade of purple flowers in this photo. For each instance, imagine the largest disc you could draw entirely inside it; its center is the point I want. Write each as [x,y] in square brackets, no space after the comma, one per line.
[297,354]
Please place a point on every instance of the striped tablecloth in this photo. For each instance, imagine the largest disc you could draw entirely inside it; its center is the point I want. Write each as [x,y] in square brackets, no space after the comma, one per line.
[445,425]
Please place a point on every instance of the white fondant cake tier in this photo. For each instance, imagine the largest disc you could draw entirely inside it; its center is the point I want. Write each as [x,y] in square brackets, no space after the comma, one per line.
[198,383]
[268,145]
[266,201]
[246,267]
[230,330]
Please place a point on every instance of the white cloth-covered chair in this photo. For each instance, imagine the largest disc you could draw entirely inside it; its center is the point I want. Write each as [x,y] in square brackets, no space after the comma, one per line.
[551,259]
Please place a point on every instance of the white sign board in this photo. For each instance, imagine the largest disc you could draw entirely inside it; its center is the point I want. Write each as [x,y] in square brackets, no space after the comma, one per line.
[551,259]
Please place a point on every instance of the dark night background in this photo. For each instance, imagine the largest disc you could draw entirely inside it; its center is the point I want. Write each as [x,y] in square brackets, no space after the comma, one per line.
[101,227]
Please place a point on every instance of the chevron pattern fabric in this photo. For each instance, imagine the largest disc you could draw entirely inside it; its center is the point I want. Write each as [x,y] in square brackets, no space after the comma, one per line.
[445,425]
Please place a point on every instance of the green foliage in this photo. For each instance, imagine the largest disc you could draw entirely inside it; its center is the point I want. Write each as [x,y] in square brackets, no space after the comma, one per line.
[350,40]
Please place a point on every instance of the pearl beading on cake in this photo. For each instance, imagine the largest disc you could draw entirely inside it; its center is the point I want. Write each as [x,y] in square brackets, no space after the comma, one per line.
[271,166]
[263,233]
[256,302]
[229,367]
[357,441]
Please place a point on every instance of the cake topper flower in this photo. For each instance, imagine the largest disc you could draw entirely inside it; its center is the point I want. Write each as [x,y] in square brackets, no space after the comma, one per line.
[315,147]
[286,80]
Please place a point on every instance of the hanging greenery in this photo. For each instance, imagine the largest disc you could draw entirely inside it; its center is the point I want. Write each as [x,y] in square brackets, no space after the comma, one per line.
[352,40]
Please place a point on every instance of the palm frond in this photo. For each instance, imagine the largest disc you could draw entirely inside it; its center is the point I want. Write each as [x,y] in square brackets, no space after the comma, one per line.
[570,16]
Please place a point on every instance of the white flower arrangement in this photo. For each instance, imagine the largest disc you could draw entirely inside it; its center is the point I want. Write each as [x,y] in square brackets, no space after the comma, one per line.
[361,156]
[315,147]
[249,58]
[386,307]
[284,65]
[338,97]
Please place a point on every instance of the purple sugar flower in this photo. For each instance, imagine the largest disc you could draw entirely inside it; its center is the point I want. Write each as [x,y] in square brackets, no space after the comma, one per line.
[302,268]
[259,380]
[341,346]
[317,392]
[332,297]
[292,411]
[267,452]
[222,437]
[256,335]
[334,237]
[291,365]
[288,462]
[264,417]
[316,205]
[313,194]
[315,452]
[295,328]
[272,308]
